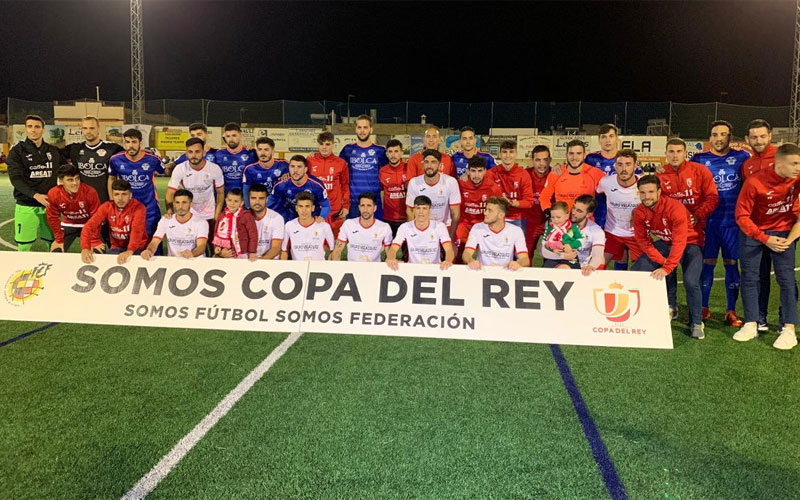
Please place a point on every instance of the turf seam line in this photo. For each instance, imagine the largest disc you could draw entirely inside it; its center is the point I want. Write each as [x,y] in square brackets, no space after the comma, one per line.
[599,451]
[27,334]
[149,481]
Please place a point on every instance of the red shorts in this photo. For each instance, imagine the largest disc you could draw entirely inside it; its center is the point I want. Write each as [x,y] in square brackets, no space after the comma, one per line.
[616,246]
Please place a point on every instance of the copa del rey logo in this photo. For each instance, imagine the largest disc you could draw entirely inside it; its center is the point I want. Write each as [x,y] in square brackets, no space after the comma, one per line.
[616,303]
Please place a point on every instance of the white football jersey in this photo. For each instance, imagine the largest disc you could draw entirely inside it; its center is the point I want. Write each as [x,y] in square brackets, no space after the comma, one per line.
[307,242]
[270,232]
[443,194]
[364,244]
[202,183]
[593,235]
[181,235]
[423,244]
[620,202]
[496,248]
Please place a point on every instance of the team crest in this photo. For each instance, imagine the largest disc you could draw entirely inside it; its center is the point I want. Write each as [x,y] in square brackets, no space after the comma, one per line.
[689,182]
[616,303]
[332,169]
[82,204]
[371,152]
[146,167]
[25,284]
[50,156]
[244,157]
[731,161]
[100,152]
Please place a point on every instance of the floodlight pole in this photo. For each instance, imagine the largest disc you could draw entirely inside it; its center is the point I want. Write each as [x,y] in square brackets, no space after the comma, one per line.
[794,107]
[137,63]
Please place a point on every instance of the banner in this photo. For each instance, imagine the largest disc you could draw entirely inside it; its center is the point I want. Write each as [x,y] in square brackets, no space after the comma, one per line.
[608,308]
[302,140]
[114,133]
[172,139]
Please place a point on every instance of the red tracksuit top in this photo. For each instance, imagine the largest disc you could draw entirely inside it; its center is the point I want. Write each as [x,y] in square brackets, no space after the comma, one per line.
[126,226]
[694,186]
[414,166]
[516,185]
[75,209]
[393,184]
[767,202]
[535,214]
[473,200]
[758,161]
[335,175]
[669,220]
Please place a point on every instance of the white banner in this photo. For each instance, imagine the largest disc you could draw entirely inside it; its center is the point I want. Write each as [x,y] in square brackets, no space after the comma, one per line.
[609,308]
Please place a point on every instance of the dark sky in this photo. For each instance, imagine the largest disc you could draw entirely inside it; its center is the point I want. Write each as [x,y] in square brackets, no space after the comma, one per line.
[386,51]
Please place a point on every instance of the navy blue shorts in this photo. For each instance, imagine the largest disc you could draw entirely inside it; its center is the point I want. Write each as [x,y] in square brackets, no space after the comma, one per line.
[721,238]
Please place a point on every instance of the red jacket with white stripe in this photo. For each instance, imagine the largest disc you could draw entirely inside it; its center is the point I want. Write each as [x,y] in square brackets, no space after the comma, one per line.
[70,210]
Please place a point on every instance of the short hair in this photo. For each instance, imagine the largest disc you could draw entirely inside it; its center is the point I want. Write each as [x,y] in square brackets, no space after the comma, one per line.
[467,129]
[676,141]
[365,117]
[133,133]
[432,152]
[627,153]
[540,148]
[325,137]
[91,118]
[394,143]
[759,123]
[68,170]
[499,202]
[259,188]
[299,158]
[422,200]
[198,126]
[588,200]
[305,196]
[35,117]
[575,142]
[648,179]
[717,123]
[787,149]
[368,195]
[191,141]
[120,185]
[508,145]
[231,126]
[184,192]
[608,127]
[476,161]
[236,192]
[560,205]
[265,140]
[432,127]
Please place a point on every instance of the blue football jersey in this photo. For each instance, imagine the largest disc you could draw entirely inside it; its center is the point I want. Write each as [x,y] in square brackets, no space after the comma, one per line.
[140,173]
[460,162]
[597,160]
[364,164]
[256,174]
[282,198]
[727,172]
[209,156]
[232,165]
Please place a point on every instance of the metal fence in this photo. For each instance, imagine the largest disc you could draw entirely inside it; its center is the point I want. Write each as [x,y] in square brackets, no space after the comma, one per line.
[685,120]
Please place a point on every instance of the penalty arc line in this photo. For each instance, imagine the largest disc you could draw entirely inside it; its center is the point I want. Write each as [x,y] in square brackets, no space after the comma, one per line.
[4,242]
[150,480]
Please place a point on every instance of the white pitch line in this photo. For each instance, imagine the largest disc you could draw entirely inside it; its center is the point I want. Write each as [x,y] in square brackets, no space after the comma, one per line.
[4,242]
[149,481]
[721,278]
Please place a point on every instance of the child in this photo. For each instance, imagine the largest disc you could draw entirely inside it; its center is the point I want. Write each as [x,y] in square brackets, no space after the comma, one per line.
[559,232]
[236,234]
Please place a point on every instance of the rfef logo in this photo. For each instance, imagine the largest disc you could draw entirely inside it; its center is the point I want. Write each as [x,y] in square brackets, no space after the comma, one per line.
[616,303]
[26,284]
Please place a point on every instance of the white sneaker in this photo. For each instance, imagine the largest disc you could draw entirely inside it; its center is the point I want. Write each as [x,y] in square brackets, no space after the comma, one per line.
[745,333]
[786,340]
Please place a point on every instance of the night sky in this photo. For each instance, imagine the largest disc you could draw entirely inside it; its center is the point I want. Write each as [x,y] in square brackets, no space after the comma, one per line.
[386,51]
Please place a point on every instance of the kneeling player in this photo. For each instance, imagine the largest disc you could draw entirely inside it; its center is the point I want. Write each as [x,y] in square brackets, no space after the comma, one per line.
[364,237]
[126,219]
[72,203]
[306,236]
[425,238]
[187,234]
[269,224]
[496,241]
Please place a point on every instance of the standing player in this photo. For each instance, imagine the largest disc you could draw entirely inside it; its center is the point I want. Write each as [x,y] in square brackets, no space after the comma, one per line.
[534,218]
[72,203]
[31,170]
[126,219]
[269,224]
[622,197]
[284,194]
[604,160]
[424,237]
[364,160]
[305,236]
[137,167]
[267,171]
[393,186]
[233,157]
[334,174]
[469,149]
[203,179]
[440,188]
[475,194]
[432,141]
[577,179]
[364,237]
[766,211]
[725,165]
[588,257]
[515,183]
[91,157]
[200,131]
[186,233]
[678,243]
[497,242]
